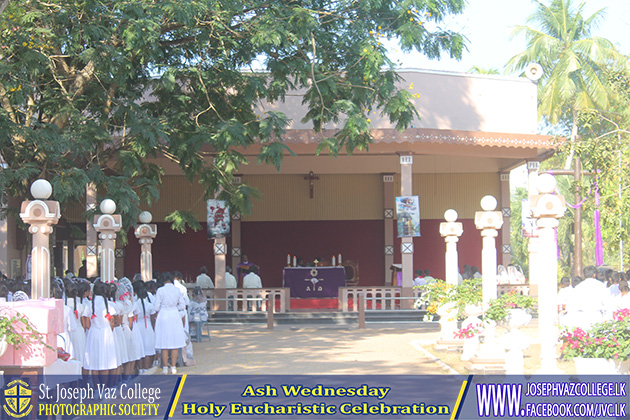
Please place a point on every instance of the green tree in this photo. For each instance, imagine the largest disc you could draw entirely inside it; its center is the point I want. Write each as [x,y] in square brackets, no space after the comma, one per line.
[519,253]
[573,62]
[90,90]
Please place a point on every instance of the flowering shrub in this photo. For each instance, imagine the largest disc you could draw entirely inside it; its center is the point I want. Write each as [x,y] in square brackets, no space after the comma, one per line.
[498,309]
[468,332]
[608,340]
[439,293]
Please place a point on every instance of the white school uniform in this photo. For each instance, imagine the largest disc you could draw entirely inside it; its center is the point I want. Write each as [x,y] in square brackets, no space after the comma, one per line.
[77,336]
[119,336]
[70,325]
[100,347]
[143,325]
[169,330]
[133,339]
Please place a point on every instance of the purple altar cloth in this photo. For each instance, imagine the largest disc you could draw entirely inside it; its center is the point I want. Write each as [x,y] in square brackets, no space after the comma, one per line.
[314,282]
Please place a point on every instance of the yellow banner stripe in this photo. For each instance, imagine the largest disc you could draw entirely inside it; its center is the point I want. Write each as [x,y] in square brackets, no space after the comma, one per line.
[179,391]
[459,400]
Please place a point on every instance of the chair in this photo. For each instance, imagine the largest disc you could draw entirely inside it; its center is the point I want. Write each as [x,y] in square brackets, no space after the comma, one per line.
[352,272]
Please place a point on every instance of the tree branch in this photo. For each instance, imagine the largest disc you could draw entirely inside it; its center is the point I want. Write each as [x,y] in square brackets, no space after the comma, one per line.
[3,4]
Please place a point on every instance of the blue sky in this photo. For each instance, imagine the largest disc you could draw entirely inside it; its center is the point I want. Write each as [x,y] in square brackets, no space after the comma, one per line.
[488,25]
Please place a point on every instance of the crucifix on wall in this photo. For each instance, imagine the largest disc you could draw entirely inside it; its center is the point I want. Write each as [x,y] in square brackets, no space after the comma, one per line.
[311,178]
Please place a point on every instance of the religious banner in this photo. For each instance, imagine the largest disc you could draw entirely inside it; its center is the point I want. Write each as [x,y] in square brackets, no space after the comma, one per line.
[528,223]
[314,282]
[218,218]
[408,215]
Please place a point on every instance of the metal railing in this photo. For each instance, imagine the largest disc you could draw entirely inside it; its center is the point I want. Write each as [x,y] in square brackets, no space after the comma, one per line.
[377,298]
[363,306]
[246,300]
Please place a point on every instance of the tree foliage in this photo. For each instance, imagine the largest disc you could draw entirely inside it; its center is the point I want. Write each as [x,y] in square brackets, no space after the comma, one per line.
[91,90]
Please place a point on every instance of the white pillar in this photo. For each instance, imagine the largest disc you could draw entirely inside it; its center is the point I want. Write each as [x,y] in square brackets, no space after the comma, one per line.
[488,221]
[41,214]
[91,240]
[451,231]
[547,208]
[532,246]
[107,225]
[146,232]
[406,251]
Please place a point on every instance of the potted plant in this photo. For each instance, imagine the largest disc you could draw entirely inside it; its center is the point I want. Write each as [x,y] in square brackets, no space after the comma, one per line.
[470,335]
[16,330]
[510,310]
[602,349]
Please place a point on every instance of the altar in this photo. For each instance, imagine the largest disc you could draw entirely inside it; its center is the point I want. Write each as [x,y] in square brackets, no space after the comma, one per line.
[314,282]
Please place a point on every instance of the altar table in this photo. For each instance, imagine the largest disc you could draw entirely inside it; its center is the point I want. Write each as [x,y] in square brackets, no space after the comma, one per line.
[314,282]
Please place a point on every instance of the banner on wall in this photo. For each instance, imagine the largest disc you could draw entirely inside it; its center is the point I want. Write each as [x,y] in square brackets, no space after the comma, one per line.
[218,218]
[408,215]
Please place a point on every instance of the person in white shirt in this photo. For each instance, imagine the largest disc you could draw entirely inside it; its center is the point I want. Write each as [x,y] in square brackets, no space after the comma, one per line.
[419,279]
[230,280]
[230,283]
[203,280]
[427,276]
[252,281]
[591,299]
[179,283]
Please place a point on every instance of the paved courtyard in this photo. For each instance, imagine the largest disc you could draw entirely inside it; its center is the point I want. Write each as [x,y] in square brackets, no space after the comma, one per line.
[314,350]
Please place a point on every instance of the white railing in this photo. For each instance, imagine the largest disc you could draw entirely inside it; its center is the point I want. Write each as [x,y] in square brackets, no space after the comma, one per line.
[251,300]
[376,297]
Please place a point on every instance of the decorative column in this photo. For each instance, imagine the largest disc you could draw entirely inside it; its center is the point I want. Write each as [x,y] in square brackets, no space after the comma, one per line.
[388,225]
[220,250]
[532,246]
[451,231]
[107,225]
[488,221]
[406,251]
[91,237]
[506,212]
[146,232]
[547,208]
[40,214]
[236,230]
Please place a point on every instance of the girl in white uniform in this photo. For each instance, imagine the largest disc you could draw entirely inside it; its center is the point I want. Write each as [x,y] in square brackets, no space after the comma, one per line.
[77,337]
[143,309]
[133,342]
[100,348]
[169,327]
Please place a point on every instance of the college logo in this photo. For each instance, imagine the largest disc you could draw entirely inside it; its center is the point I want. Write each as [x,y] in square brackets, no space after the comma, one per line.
[17,399]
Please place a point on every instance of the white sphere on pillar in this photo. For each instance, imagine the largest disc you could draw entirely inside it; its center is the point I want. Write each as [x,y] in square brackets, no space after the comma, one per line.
[145,217]
[546,183]
[108,206]
[488,203]
[41,189]
[450,215]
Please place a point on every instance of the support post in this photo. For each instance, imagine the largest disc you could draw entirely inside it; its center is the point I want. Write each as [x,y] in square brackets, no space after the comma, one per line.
[361,298]
[406,180]
[532,246]
[146,232]
[270,310]
[547,208]
[488,221]
[107,225]
[220,248]
[451,231]
[388,226]
[506,211]
[91,240]
[41,214]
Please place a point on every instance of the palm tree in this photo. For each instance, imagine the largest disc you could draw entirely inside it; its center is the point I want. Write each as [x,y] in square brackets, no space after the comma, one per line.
[572,60]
